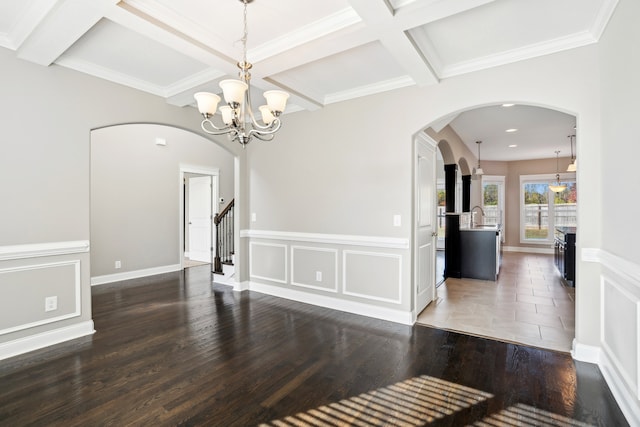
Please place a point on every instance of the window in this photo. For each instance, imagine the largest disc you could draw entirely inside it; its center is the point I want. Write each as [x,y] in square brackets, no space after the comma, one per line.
[493,199]
[541,210]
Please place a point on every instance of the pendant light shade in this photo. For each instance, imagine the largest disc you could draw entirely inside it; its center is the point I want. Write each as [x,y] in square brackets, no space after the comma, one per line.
[557,187]
[479,171]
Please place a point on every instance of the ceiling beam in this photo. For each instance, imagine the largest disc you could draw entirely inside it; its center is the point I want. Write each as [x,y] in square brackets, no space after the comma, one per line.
[378,15]
[67,22]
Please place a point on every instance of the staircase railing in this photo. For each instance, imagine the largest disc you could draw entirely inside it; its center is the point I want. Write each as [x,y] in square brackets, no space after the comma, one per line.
[224,238]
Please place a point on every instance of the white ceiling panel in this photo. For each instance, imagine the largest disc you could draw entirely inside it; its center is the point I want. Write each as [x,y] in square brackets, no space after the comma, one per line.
[111,47]
[506,29]
[355,69]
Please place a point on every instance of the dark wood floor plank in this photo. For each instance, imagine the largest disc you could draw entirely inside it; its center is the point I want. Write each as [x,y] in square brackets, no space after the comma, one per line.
[174,350]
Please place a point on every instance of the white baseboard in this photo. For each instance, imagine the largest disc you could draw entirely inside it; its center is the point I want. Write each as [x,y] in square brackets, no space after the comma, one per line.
[624,398]
[45,339]
[585,353]
[359,308]
[546,251]
[241,286]
[109,278]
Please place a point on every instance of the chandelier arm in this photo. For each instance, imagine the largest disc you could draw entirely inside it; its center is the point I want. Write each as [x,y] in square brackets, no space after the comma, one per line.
[261,137]
[216,130]
[268,130]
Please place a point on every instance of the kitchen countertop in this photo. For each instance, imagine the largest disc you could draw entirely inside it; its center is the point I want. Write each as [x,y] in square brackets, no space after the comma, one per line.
[487,227]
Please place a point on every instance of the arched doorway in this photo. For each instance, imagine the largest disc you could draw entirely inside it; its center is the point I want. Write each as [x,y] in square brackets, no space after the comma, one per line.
[514,171]
[137,196]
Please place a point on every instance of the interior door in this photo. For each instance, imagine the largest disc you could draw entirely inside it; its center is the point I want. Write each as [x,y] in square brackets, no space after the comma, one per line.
[426,227]
[200,222]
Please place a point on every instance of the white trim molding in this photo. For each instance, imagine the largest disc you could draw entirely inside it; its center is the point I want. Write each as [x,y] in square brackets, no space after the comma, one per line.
[345,284]
[35,250]
[619,356]
[621,266]
[109,278]
[45,339]
[382,313]
[77,284]
[333,251]
[285,267]
[331,239]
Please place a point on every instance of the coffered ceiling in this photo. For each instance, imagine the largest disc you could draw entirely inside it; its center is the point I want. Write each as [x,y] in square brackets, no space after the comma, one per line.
[321,52]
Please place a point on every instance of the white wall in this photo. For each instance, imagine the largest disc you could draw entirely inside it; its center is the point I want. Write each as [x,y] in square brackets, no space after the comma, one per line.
[136,194]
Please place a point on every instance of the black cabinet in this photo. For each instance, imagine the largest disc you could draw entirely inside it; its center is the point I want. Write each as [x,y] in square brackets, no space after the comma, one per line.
[565,253]
[452,246]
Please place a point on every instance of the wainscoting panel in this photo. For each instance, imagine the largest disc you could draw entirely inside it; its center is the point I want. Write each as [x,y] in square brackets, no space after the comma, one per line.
[364,275]
[25,288]
[619,358]
[620,329]
[315,268]
[268,261]
[372,275]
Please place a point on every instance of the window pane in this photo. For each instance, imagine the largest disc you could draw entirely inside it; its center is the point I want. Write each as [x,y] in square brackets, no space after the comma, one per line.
[491,205]
[564,211]
[536,211]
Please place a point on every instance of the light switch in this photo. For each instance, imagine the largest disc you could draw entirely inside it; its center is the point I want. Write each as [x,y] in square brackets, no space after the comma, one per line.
[397,221]
[253,217]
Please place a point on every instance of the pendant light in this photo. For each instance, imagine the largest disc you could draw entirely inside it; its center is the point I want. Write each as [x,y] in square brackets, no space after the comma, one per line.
[557,187]
[479,170]
[573,165]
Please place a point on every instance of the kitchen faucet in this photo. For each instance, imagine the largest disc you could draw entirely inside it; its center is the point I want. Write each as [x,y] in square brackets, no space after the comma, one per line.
[471,212]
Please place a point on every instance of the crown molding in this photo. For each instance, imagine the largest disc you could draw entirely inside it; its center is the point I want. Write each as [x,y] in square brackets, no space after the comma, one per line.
[372,89]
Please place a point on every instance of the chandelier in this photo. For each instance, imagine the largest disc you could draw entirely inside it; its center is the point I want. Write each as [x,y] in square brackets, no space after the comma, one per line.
[238,120]
[557,187]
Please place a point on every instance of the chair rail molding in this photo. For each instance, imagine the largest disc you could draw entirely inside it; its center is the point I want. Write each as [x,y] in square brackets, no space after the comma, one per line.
[339,239]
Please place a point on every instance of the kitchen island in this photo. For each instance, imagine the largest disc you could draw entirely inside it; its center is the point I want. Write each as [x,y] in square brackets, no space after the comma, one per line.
[480,252]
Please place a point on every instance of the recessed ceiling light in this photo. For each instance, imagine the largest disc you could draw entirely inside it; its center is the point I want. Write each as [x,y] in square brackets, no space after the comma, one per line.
[508,105]
[511,130]
[513,145]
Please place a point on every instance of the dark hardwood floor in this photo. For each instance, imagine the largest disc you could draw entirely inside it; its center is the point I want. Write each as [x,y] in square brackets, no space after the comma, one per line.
[173,350]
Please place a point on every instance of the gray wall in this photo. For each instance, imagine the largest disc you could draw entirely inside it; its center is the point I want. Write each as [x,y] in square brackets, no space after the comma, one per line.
[47,115]
[136,193]
[619,257]
[348,168]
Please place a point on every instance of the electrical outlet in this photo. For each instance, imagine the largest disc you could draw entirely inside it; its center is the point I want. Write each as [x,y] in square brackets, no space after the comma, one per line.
[253,217]
[51,303]
[118,264]
[318,276]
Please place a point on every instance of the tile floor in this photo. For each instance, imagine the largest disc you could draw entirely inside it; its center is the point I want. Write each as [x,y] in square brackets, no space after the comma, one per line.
[528,304]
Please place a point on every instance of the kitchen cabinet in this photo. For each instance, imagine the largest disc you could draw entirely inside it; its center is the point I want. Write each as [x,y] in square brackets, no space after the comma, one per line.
[480,252]
[564,249]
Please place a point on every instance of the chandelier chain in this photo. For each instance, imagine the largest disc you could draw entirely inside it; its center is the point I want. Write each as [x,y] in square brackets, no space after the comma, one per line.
[245,36]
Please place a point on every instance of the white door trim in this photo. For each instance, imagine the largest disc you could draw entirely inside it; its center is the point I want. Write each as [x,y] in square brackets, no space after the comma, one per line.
[421,139]
[213,172]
